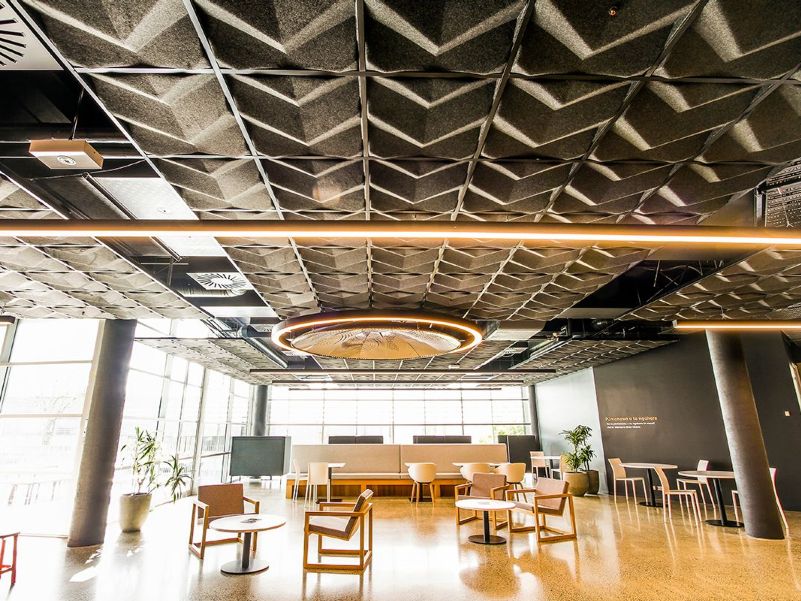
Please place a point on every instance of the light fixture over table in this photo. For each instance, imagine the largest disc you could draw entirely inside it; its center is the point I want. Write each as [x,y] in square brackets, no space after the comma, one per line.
[377,335]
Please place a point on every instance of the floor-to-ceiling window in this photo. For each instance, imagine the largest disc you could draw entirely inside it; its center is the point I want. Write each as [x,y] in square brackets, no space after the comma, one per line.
[312,415]
[45,367]
[46,374]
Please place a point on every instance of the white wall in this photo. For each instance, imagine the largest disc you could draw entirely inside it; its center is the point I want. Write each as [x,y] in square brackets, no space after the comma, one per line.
[562,404]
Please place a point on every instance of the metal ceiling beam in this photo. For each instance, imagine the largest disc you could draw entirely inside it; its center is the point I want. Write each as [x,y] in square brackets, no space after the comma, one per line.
[676,34]
[520,29]
[212,58]
[371,73]
[411,382]
[365,124]
[377,371]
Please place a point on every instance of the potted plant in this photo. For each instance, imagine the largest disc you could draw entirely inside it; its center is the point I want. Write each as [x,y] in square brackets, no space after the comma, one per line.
[577,479]
[135,505]
[593,477]
[177,477]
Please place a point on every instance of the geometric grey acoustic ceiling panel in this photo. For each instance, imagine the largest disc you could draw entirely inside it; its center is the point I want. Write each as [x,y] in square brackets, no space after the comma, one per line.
[232,356]
[758,286]
[573,355]
[43,277]
[657,113]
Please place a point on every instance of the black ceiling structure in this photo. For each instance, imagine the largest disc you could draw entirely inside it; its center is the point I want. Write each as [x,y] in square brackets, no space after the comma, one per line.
[679,112]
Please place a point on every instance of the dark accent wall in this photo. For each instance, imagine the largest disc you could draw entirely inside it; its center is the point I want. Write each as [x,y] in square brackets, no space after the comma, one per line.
[675,385]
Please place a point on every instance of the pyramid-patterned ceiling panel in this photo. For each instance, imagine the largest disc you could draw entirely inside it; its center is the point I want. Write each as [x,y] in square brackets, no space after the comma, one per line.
[666,112]
[42,277]
[573,355]
[762,284]
[232,356]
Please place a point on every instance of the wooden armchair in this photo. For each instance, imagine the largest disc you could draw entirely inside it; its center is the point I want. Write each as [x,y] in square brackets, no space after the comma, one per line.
[214,501]
[551,497]
[483,486]
[340,521]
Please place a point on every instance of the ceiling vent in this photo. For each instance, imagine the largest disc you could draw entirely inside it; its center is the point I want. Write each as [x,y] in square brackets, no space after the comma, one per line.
[221,280]
[19,48]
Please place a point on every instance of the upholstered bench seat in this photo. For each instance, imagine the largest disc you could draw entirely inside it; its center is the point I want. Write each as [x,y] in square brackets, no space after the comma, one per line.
[382,467]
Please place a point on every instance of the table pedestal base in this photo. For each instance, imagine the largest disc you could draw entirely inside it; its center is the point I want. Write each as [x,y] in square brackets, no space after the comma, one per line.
[727,523]
[649,504]
[235,567]
[491,540]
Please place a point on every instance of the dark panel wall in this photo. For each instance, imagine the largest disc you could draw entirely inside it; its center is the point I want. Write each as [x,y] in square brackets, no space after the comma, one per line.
[675,385]
[771,379]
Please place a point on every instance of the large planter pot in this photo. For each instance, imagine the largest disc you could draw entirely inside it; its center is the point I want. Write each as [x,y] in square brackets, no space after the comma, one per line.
[133,511]
[594,481]
[578,483]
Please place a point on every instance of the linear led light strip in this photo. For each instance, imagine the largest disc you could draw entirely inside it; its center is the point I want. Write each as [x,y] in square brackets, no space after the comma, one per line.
[360,230]
[737,325]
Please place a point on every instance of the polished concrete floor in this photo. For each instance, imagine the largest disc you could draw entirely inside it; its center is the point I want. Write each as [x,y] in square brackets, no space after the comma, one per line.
[624,551]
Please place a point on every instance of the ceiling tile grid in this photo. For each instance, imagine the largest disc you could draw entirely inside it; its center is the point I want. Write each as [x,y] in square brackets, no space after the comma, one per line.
[232,356]
[762,284]
[44,277]
[573,355]
[446,110]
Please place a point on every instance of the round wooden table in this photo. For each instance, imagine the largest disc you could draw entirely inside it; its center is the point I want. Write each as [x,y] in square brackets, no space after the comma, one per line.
[716,476]
[648,467]
[246,524]
[485,506]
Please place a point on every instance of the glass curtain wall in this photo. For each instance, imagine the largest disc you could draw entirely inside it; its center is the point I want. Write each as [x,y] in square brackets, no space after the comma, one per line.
[311,416]
[45,367]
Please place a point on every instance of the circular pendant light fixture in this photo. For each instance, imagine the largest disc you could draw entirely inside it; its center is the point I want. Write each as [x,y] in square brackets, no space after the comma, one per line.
[376,335]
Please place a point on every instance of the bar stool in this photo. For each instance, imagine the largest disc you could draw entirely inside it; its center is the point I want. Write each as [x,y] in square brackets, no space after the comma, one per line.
[701,483]
[317,475]
[619,475]
[538,462]
[421,474]
[298,477]
[468,469]
[735,501]
[515,473]
[9,567]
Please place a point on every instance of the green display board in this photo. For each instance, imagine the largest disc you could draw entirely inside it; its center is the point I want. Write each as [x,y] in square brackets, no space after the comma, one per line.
[260,455]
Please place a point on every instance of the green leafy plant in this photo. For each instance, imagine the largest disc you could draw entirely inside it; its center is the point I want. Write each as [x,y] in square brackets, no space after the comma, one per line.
[581,453]
[144,465]
[177,478]
[586,455]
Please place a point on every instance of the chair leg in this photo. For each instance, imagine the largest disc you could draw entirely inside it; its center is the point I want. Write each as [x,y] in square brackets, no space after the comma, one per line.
[626,488]
[412,496]
[735,498]
[431,491]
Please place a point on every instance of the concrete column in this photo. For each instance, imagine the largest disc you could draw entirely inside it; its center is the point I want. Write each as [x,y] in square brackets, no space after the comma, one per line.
[535,420]
[102,437]
[746,445]
[261,400]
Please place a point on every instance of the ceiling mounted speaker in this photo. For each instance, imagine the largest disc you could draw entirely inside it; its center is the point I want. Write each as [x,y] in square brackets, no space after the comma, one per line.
[376,335]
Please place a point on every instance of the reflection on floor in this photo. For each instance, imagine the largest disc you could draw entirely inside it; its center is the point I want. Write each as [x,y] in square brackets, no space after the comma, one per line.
[623,552]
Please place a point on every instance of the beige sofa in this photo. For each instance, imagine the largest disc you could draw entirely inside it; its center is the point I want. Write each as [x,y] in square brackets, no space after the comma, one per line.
[383,466]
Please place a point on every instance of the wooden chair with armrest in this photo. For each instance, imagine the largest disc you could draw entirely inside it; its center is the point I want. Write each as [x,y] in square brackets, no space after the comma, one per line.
[483,486]
[551,498]
[214,501]
[340,521]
